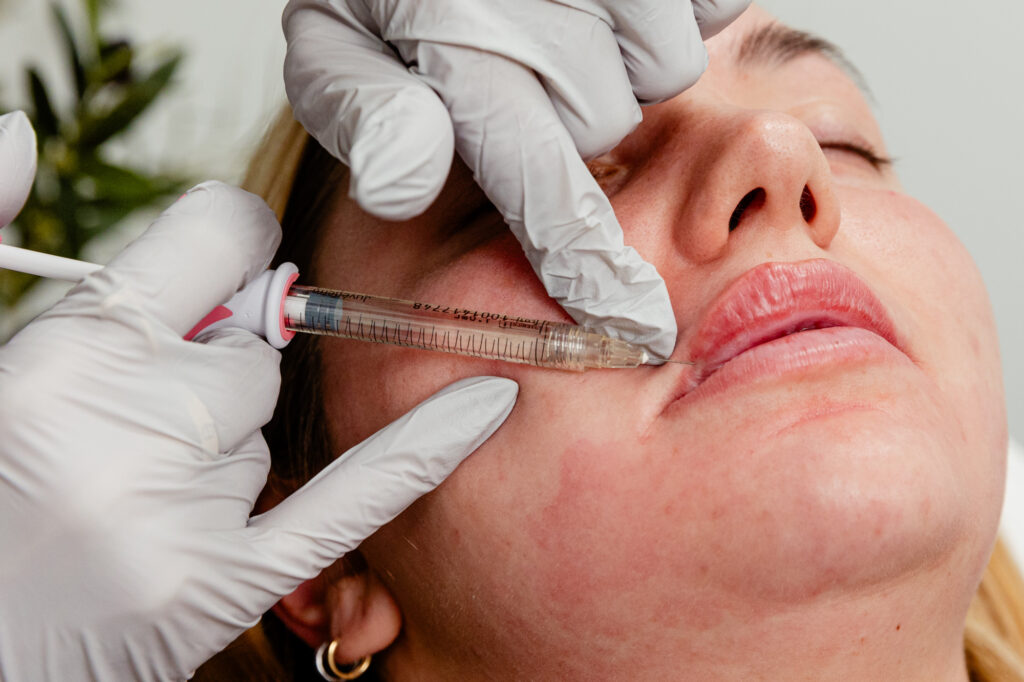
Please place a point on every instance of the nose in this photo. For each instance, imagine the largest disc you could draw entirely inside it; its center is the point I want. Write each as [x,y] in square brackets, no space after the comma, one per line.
[755,170]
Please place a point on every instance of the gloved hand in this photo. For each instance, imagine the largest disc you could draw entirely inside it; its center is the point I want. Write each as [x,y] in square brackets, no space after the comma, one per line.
[130,459]
[523,88]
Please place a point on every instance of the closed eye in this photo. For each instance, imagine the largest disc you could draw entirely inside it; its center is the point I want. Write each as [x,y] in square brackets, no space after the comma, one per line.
[877,161]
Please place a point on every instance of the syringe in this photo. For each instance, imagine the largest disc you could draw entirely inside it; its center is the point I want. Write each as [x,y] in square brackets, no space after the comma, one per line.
[455,330]
[274,307]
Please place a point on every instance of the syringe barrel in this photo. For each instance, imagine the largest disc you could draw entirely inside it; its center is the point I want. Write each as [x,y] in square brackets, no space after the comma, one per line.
[567,346]
[453,330]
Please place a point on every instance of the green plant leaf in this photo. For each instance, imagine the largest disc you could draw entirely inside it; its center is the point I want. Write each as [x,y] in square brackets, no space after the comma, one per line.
[92,13]
[115,63]
[96,129]
[110,183]
[78,195]
[97,217]
[44,118]
[74,56]
[13,286]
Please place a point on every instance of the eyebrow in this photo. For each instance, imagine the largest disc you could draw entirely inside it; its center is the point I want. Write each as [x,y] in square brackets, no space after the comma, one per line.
[778,44]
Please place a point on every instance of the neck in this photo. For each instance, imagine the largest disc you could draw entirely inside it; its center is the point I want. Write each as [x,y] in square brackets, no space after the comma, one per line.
[908,631]
[883,636]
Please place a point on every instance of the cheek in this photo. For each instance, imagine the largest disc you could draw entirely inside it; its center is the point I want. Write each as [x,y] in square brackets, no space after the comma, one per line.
[549,515]
[600,509]
[928,275]
[494,277]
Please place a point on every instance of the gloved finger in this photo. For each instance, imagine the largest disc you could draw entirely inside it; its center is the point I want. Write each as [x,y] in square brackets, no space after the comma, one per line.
[235,375]
[714,15]
[194,257]
[527,164]
[661,47]
[360,102]
[220,494]
[376,480]
[17,163]
[581,69]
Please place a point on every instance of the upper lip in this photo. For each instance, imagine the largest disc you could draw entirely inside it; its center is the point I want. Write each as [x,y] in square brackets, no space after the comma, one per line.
[777,299]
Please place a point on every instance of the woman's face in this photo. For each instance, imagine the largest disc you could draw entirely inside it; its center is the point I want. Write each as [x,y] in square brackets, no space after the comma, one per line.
[666,505]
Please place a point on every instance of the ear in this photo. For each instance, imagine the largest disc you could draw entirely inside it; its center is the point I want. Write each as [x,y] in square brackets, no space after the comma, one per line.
[305,611]
[356,609]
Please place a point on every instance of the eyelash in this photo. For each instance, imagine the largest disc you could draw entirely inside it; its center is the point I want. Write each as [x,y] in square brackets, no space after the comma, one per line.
[601,171]
[877,162]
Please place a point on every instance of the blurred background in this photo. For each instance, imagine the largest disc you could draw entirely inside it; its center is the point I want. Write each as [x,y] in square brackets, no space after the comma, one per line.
[168,94]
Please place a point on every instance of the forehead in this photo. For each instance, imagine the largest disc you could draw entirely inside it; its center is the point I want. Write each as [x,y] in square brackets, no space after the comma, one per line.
[759,41]
[759,63]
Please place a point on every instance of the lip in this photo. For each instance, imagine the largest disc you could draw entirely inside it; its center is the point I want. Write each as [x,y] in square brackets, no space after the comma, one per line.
[779,317]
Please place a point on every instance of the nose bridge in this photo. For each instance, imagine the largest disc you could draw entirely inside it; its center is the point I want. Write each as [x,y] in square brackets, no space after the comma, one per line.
[764,170]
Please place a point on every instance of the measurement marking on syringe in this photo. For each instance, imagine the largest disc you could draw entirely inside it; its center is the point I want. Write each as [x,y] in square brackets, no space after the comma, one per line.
[499,337]
[415,335]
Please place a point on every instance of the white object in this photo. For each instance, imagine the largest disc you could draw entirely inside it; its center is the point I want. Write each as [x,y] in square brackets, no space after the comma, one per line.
[522,89]
[258,307]
[45,264]
[17,163]
[130,460]
[1011,525]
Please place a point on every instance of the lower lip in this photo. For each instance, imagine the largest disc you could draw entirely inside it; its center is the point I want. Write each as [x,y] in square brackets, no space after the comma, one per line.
[804,352]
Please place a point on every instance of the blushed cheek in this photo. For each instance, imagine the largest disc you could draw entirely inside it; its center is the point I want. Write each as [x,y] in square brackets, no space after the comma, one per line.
[606,537]
[594,510]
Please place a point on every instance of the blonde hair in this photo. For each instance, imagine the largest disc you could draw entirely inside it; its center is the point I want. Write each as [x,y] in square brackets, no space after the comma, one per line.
[994,632]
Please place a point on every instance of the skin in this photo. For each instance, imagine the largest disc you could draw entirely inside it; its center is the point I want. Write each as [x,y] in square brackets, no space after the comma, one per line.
[831,523]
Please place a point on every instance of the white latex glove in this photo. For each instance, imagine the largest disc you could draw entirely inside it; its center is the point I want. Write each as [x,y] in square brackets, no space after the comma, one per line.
[130,459]
[523,88]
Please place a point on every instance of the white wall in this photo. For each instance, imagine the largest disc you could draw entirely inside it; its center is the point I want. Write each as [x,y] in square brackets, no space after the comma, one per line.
[946,76]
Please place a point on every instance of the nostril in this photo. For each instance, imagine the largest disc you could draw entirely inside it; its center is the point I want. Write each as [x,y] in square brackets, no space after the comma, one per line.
[751,199]
[808,207]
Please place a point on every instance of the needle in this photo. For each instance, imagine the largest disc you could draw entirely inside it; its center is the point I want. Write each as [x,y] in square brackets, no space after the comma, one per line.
[674,362]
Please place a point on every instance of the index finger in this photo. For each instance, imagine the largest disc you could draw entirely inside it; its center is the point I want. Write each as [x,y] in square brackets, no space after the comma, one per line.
[352,93]
[527,164]
[662,43]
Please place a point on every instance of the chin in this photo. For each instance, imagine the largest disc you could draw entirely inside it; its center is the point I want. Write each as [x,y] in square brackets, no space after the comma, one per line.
[845,501]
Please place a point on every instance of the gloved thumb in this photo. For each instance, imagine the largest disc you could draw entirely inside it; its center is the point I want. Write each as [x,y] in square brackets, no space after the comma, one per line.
[195,256]
[376,480]
[17,163]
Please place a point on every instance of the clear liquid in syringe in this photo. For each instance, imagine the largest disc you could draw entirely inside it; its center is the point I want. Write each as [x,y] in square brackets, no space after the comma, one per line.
[454,330]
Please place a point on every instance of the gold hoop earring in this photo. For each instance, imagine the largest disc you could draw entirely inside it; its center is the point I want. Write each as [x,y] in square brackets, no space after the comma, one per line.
[326,652]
